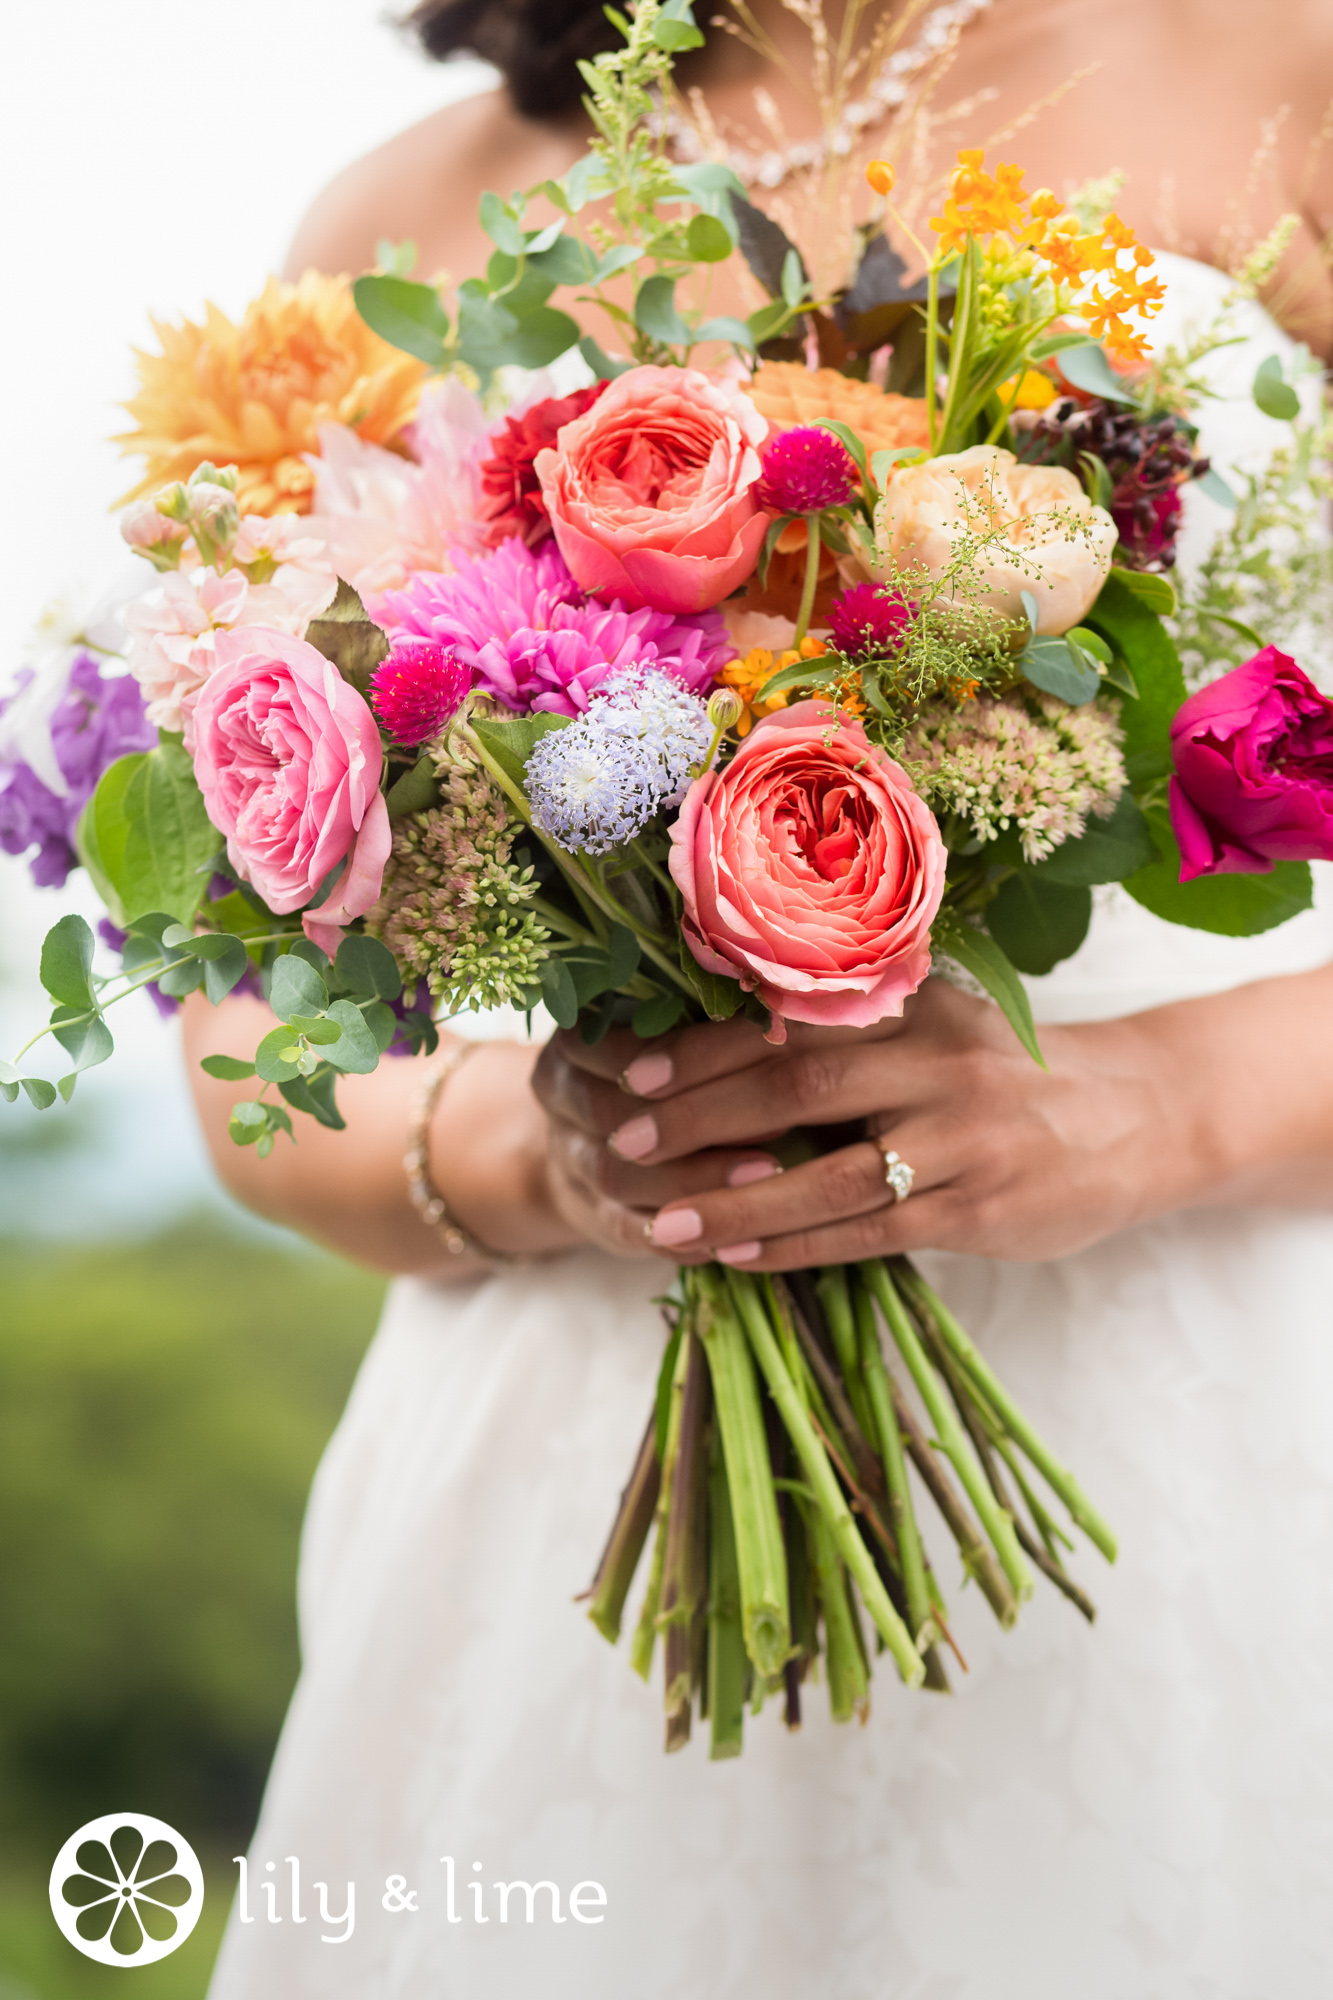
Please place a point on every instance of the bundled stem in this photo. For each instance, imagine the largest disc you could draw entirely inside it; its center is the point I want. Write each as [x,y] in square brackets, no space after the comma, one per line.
[620,1557]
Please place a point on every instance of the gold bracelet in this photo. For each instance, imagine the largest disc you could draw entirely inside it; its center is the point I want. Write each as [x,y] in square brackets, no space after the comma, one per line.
[427,1200]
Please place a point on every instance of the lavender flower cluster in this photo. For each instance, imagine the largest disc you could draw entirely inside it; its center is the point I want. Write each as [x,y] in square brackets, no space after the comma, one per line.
[595,784]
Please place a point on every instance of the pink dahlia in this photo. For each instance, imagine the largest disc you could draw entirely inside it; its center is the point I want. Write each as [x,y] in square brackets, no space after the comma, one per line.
[418,689]
[518,620]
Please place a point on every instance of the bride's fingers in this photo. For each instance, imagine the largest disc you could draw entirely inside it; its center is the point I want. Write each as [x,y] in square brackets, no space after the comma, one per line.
[650,1188]
[692,1056]
[925,1222]
[849,1184]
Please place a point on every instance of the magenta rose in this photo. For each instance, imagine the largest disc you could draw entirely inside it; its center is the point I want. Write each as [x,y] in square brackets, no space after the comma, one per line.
[653,494]
[1253,784]
[288,759]
[811,871]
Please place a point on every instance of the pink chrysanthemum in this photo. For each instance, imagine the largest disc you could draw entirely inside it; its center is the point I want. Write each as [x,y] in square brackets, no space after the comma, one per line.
[806,470]
[531,638]
[418,689]
[868,619]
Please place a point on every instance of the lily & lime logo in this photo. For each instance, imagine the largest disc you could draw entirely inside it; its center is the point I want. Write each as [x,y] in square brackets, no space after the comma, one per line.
[127,1889]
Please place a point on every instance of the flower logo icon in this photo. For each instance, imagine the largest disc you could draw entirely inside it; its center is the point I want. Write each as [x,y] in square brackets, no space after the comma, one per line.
[126,1889]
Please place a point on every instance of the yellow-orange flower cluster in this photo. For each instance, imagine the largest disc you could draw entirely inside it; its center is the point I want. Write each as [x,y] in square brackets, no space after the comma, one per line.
[750,675]
[984,205]
[253,395]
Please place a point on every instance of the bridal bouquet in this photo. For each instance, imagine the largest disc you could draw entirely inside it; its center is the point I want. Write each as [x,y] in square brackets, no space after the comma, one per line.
[750,667]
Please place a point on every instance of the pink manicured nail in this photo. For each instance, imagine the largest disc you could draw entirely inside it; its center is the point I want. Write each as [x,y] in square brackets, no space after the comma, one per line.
[738,1253]
[646,1074]
[676,1226]
[750,1171]
[634,1139]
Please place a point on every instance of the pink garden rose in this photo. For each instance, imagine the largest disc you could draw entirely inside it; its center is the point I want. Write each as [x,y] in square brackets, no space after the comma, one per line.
[1253,781]
[811,871]
[288,759]
[652,493]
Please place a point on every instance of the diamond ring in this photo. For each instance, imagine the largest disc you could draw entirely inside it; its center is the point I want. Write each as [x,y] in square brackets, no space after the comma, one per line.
[899,1175]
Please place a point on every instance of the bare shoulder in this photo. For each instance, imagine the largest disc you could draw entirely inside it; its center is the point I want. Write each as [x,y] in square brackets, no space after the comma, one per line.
[423,186]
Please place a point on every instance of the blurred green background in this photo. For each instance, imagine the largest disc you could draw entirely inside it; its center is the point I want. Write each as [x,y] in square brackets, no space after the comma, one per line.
[163,1404]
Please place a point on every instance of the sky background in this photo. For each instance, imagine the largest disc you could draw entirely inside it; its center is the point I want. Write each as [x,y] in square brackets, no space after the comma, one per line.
[151,158]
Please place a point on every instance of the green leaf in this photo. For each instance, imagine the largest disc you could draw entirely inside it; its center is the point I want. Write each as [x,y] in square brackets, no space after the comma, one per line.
[1155,592]
[674,36]
[1217,489]
[566,262]
[347,635]
[501,224]
[40,1093]
[83,1036]
[225,959]
[724,327]
[590,971]
[315,1095]
[368,968]
[67,962]
[602,365]
[982,957]
[558,992]
[1138,635]
[774,530]
[396,260]
[618,258]
[707,177]
[583,182]
[1060,669]
[847,436]
[793,279]
[1229,905]
[248,1121]
[356,1050]
[655,312]
[539,338]
[624,954]
[1087,367]
[228,1069]
[512,741]
[409,316]
[521,294]
[153,839]
[275,1059]
[768,321]
[539,241]
[296,988]
[1089,641]
[1058,343]
[806,673]
[185,976]
[1275,397]
[1097,480]
[721,997]
[416,791]
[1107,851]
[883,462]
[320,1032]
[655,1016]
[1038,922]
[709,239]
[1247,632]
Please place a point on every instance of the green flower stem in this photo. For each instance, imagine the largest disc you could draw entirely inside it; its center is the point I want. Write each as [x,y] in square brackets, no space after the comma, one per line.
[645,1632]
[820,1475]
[760,1556]
[684,1566]
[620,1558]
[835,1301]
[932,340]
[1057,1478]
[996,1523]
[727,1662]
[910,1557]
[848,1681]
[813,544]
[976,1558]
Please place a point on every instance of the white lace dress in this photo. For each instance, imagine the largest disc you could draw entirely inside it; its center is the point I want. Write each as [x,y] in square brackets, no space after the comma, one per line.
[1139,1811]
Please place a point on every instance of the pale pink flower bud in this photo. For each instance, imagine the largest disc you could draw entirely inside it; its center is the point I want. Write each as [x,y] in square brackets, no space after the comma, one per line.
[150,533]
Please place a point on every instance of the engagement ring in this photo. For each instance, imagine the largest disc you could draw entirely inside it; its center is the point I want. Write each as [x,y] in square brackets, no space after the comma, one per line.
[899,1175]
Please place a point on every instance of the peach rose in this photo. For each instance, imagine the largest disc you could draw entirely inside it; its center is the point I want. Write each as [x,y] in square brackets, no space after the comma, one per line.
[1062,545]
[288,759]
[652,493]
[811,871]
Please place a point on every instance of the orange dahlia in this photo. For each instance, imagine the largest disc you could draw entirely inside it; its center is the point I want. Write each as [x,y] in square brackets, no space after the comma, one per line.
[788,393]
[254,395]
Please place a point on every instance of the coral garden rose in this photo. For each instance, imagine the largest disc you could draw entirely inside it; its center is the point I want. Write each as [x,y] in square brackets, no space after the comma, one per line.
[811,871]
[652,493]
[1253,784]
[1055,543]
[288,759]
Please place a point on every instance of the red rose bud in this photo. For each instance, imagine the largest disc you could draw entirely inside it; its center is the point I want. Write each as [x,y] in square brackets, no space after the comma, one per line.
[806,469]
[418,689]
[512,502]
[868,619]
[1253,781]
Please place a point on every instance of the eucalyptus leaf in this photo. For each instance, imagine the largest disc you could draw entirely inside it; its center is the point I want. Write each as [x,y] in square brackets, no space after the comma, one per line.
[1247,632]
[566,262]
[408,315]
[1217,489]
[656,1016]
[539,338]
[356,1050]
[368,968]
[228,1069]
[1155,593]
[416,791]
[276,1058]
[558,993]
[603,366]
[1086,366]
[186,976]
[501,224]
[225,961]
[655,312]
[709,240]
[40,1094]
[84,1037]
[316,1029]
[1059,668]
[724,327]
[248,1121]
[314,1095]
[624,953]
[1274,395]
[296,988]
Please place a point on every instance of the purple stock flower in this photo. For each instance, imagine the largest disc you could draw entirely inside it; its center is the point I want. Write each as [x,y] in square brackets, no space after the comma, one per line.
[99,718]
[806,469]
[534,640]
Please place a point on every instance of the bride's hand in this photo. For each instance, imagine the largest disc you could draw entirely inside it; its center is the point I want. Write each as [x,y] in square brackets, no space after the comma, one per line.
[1011,1160]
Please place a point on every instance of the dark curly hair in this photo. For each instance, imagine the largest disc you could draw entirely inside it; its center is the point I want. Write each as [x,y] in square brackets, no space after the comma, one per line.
[535,44]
